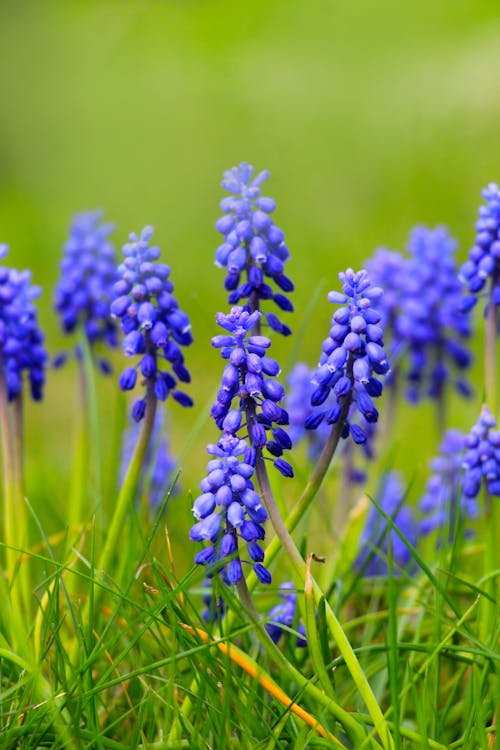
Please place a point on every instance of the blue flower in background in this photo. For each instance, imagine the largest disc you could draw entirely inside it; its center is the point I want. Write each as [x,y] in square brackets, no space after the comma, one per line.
[249,377]
[423,314]
[284,614]
[254,249]
[481,464]
[374,541]
[483,264]
[21,340]
[353,354]
[155,328]
[443,495]
[88,272]
[158,470]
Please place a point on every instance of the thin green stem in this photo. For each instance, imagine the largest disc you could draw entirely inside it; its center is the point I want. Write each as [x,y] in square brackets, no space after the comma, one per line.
[491,557]
[11,527]
[335,628]
[490,353]
[79,474]
[128,491]
[21,515]
[126,498]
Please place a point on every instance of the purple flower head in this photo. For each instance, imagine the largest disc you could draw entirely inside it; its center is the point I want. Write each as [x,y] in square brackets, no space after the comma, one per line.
[229,514]
[88,272]
[353,355]
[159,466]
[372,560]
[284,615]
[21,340]
[426,324]
[154,326]
[249,378]
[443,496]
[483,264]
[481,463]
[253,250]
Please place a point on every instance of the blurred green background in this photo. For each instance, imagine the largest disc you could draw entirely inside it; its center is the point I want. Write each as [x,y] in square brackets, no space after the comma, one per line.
[371,117]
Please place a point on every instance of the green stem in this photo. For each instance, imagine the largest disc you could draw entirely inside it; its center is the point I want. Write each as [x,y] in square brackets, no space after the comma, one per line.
[128,491]
[490,353]
[21,517]
[126,498]
[79,474]
[491,557]
[336,630]
[311,489]
[10,519]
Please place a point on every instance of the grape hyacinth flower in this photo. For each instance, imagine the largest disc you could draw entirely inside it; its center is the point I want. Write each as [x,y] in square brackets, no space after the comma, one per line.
[159,465]
[229,511]
[374,543]
[283,616]
[21,340]
[154,326]
[353,355]
[253,250]
[433,323]
[249,377]
[443,496]
[83,293]
[483,264]
[481,464]
[423,314]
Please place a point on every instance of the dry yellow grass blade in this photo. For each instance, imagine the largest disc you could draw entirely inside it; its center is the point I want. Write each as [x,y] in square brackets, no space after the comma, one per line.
[251,668]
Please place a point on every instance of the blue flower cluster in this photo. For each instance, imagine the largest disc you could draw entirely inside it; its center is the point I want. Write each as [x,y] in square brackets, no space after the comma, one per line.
[21,340]
[253,246]
[423,314]
[372,560]
[482,459]
[229,510]
[88,272]
[352,355]
[159,465]
[443,496]
[484,257]
[152,322]
[283,616]
[249,376]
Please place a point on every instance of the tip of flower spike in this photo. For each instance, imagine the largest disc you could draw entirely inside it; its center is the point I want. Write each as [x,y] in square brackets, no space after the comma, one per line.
[4,249]
[147,232]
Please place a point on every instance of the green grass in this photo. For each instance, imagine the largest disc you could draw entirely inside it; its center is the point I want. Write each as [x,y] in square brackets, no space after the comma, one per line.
[371,118]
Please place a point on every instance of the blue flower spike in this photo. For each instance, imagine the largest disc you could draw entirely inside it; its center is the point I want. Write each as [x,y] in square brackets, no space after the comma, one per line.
[254,250]
[22,350]
[352,358]
[481,464]
[483,265]
[83,293]
[154,326]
